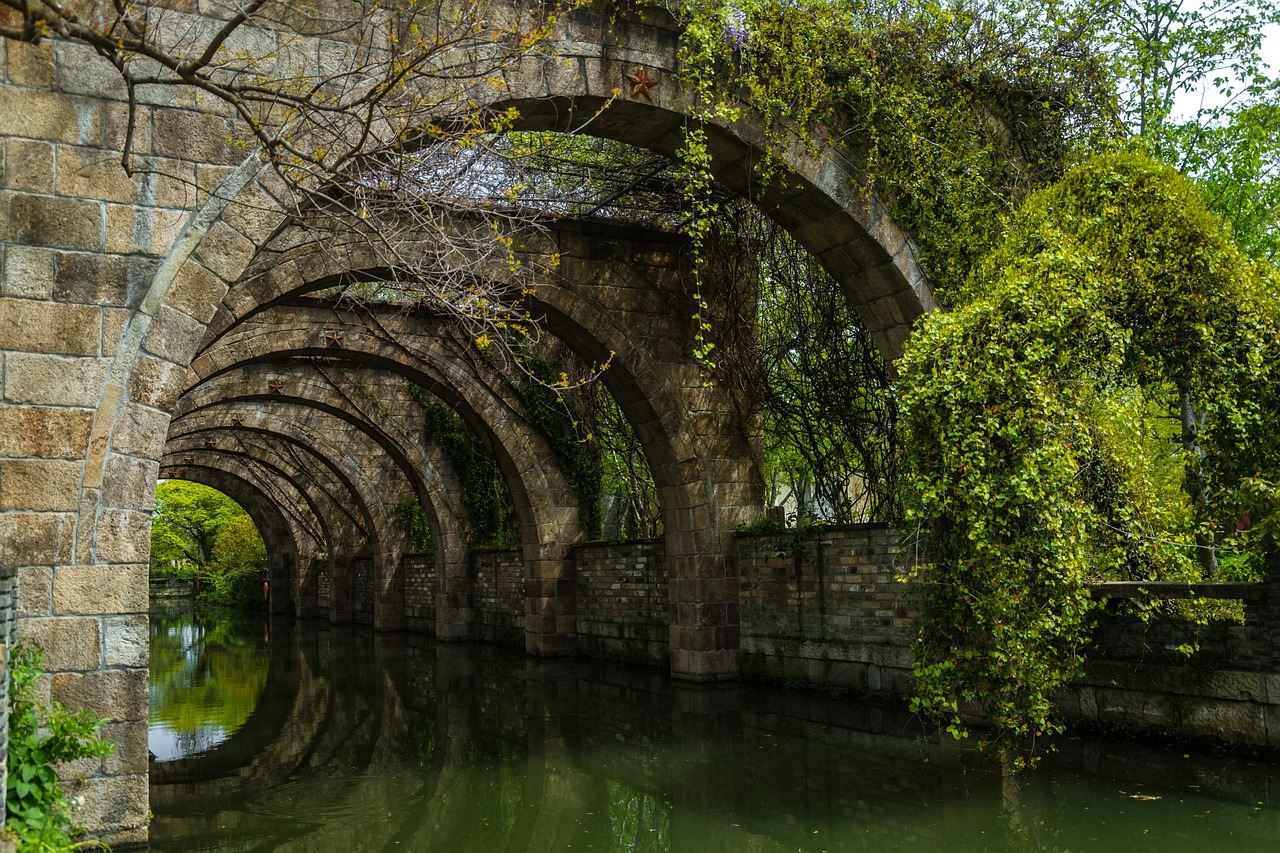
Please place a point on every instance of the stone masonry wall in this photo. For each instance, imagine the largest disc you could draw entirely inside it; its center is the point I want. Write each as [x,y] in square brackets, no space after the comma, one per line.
[362,581]
[419,592]
[623,605]
[498,595]
[827,608]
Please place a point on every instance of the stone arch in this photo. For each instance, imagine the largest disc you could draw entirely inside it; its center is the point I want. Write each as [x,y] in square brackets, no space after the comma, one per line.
[544,501]
[280,536]
[356,491]
[821,199]
[281,493]
[698,450]
[92,442]
[428,473]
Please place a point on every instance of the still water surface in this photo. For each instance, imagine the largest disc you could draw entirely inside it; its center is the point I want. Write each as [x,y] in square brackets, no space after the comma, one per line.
[315,738]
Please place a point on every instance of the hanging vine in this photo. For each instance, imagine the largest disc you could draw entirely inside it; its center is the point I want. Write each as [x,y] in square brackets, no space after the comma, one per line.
[484,491]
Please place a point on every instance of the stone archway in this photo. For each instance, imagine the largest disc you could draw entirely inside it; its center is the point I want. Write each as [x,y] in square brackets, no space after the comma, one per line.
[110,282]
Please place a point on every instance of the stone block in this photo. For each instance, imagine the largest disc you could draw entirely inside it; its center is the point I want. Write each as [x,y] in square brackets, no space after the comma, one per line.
[130,482]
[1273,724]
[156,382]
[35,591]
[225,251]
[117,694]
[116,125]
[254,213]
[95,590]
[139,431]
[31,64]
[196,291]
[30,326]
[28,272]
[94,173]
[102,279]
[30,538]
[54,379]
[130,740]
[62,223]
[72,644]
[143,230]
[81,71]
[190,135]
[42,485]
[1238,722]
[116,806]
[124,536]
[51,116]
[173,335]
[28,165]
[51,433]
[127,640]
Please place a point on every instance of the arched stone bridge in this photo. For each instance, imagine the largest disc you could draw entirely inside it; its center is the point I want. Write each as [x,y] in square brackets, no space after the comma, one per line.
[161,323]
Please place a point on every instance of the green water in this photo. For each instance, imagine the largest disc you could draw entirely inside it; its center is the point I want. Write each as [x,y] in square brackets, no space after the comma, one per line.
[313,738]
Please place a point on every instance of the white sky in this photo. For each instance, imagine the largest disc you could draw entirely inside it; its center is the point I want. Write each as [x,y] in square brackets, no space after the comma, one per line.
[1186,105]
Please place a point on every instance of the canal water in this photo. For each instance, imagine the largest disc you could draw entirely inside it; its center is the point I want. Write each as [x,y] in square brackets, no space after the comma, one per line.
[275,736]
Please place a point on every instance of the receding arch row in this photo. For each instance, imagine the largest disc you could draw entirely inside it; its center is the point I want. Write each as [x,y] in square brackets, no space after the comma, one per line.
[235,401]
[630,302]
[267,516]
[347,490]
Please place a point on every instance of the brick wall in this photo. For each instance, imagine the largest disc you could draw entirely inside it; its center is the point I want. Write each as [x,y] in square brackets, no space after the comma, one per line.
[498,595]
[419,572]
[623,606]
[362,590]
[826,607]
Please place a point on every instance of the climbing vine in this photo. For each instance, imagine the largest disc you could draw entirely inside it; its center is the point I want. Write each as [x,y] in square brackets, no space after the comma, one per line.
[555,415]
[413,521]
[949,114]
[1114,302]
[484,492]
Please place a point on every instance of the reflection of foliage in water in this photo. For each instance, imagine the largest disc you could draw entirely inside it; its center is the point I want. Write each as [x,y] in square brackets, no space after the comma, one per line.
[498,803]
[419,744]
[204,672]
[637,821]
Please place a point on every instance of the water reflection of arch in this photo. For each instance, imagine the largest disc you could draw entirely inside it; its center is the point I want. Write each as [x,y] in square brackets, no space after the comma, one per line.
[558,726]
[288,685]
[312,719]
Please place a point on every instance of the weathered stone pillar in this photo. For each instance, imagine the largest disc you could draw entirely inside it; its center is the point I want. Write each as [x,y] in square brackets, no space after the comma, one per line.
[704,607]
[306,588]
[453,597]
[281,584]
[551,604]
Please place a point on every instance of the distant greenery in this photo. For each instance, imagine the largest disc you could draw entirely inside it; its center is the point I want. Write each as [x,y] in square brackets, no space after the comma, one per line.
[199,533]
[42,735]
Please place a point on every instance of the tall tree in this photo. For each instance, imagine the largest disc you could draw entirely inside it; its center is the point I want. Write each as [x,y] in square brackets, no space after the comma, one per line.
[187,522]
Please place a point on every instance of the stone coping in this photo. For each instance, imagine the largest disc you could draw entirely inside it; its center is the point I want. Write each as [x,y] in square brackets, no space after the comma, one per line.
[1170,590]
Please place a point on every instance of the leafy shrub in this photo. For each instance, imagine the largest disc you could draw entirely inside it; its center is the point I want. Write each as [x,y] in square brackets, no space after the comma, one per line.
[41,735]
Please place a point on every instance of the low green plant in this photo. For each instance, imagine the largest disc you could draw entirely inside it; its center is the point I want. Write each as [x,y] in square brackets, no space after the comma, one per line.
[42,735]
